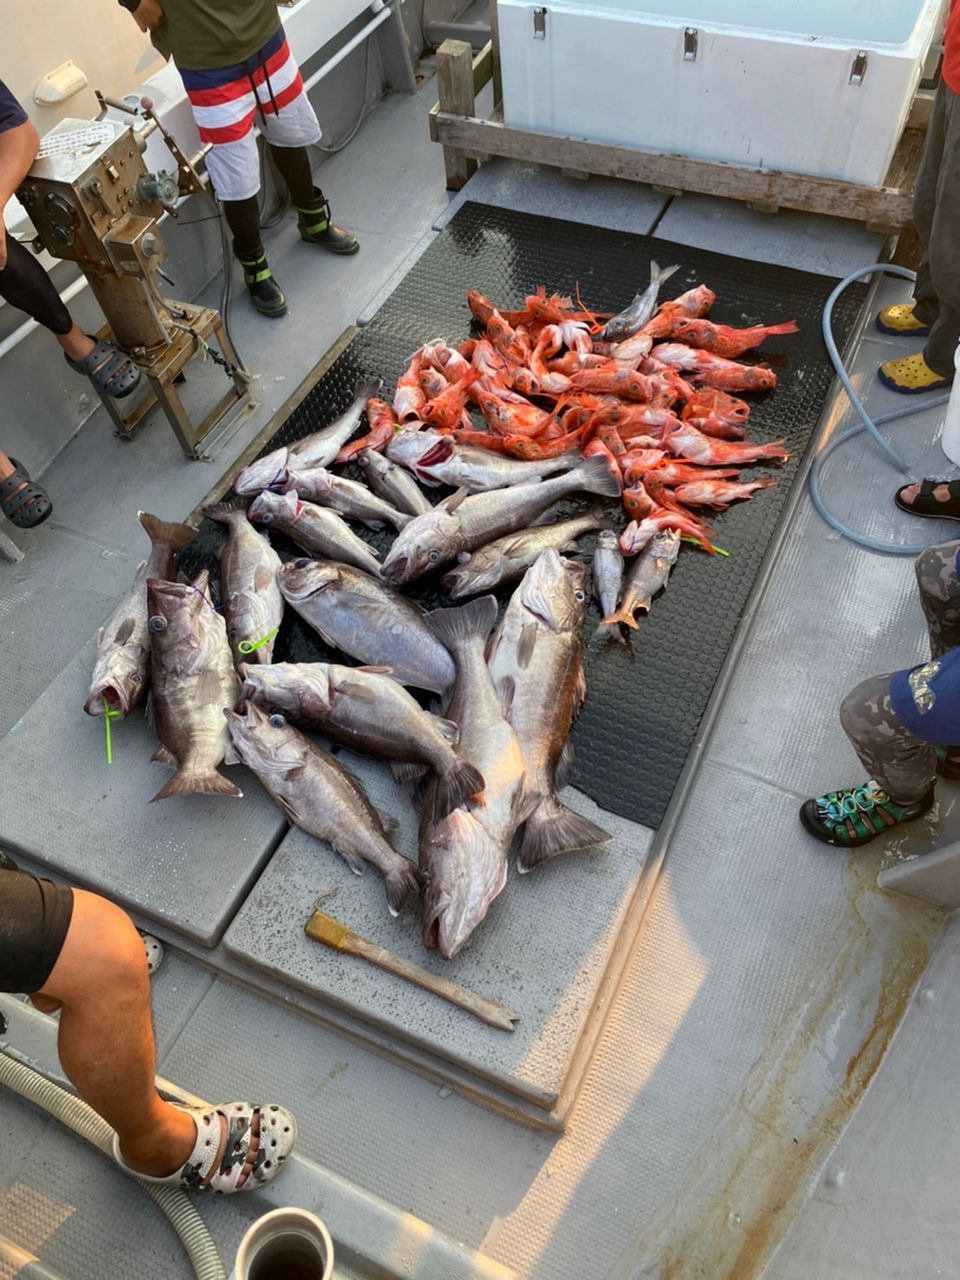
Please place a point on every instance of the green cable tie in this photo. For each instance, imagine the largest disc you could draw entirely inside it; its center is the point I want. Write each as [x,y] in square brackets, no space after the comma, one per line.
[684,537]
[251,646]
[109,714]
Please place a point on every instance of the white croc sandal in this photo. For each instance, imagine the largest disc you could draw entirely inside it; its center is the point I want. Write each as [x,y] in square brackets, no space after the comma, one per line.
[222,1166]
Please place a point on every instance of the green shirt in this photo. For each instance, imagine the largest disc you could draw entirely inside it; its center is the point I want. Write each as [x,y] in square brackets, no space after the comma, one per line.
[203,35]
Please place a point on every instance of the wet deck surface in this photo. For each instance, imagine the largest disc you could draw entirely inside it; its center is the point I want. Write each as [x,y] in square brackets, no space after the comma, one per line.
[771,973]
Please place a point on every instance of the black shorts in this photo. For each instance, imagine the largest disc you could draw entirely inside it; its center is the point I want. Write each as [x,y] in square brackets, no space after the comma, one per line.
[34,918]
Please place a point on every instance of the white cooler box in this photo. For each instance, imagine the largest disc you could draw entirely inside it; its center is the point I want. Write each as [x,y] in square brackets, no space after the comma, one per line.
[814,86]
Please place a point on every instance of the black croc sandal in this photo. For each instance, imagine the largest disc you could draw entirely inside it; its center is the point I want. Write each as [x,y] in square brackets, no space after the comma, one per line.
[24,503]
[111,371]
[925,504]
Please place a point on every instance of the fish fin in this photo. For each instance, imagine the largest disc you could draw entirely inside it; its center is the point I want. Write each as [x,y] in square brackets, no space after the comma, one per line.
[167,532]
[526,644]
[294,774]
[580,693]
[230,756]
[222,511]
[456,787]
[377,671]
[208,687]
[608,631]
[359,692]
[568,758]
[624,616]
[163,756]
[407,771]
[596,476]
[148,713]
[400,882]
[100,634]
[506,689]
[124,632]
[464,556]
[525,801]
[190,782]
[389,823]
[449,730]
[454,627]
[264,577]
[553,829]
[451,503]
[659,274]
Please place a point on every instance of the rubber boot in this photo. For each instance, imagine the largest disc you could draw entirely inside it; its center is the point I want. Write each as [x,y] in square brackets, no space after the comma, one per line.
[265,293]
[316,227]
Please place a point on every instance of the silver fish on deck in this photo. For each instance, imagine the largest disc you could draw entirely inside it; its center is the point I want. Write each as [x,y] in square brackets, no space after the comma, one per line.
[358,615]
[320,797]
[369,712]
[122,669]
[317,529]
[436,459]
[508,559]
[465,854]
[607,579]
[253,605]
[192,680]
[536,662]
[648,573]
[460,523]
[626,322]
[392,483]
[317,484]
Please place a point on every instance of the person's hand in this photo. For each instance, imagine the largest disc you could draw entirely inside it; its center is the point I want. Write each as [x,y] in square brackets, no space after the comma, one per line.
[3,243]
[148,14]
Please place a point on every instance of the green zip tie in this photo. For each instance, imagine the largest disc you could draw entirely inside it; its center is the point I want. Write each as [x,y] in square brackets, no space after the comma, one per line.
[251,646]
[693,542]
[109,714]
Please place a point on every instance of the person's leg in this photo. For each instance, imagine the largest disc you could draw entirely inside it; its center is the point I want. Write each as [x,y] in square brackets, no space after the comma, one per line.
[243,219]
[926,306]
[939,589]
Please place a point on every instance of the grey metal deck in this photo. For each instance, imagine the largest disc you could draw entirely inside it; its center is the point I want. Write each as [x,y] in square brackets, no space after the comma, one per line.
[770,974]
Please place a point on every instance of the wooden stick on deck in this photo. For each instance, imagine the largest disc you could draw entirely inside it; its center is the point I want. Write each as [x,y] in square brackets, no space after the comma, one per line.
[333,934]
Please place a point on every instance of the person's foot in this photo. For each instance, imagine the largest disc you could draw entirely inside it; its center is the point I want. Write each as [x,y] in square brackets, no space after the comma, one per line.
[24,503]
[317,227]
[900,318]
[911,376]
[937,498]
[857,815]
[265,294]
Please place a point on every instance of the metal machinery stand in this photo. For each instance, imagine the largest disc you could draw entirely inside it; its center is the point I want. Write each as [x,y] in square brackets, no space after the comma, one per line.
[93,202]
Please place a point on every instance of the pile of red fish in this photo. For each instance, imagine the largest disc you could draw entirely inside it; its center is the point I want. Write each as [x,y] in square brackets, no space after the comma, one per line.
[658,404]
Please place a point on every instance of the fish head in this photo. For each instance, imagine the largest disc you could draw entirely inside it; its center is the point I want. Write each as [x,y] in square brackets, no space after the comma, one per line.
[472,575]
[665,544]
[408,446]
[467,871]
[262,473]
[553,591]
[286,687]
[119,677]
[608,540]
[181,614]
[372,463]
[301,579]
[426,542]
[275,508]
[263,740]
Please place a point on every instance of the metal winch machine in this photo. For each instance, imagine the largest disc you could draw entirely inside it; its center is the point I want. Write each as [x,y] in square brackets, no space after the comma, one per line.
[93,202]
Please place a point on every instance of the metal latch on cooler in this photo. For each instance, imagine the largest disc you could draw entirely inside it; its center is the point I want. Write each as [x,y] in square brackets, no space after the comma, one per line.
[539,24]
[690,39]
[859,68]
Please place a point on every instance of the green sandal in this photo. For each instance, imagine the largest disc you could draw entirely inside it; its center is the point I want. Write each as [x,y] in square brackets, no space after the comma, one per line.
[857,815]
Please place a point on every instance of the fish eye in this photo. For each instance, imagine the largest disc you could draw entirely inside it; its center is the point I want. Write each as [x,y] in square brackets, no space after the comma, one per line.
[266,517]
[578,595]
[157,623]
[136,677]
[301,564]
[433,556]
[277,720]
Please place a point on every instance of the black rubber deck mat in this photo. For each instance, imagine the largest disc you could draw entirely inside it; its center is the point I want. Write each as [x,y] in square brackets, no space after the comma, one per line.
[644,703]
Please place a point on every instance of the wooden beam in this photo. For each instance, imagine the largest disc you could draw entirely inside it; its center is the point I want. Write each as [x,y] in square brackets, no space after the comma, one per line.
[455,88]
[888,206]
[482,67]
[920,110]
[495,48]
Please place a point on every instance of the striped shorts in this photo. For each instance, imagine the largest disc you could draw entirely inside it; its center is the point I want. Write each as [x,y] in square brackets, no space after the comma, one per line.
[266,91]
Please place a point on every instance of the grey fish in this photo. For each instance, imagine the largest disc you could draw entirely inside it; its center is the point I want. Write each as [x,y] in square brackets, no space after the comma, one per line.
[460,523]
[317,529]
[368,711]
[316,450]
[536,662]
[437,459]
[392,483]
[465,854]
[320,797]
[358,615]
[507,559]
[648,573]
[248,585]
[607,579]
[192,681]
[319,485]
[121,671]
[626,323]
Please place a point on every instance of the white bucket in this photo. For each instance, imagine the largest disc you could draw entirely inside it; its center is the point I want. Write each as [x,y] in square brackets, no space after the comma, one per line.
[285,1244]
[950,436]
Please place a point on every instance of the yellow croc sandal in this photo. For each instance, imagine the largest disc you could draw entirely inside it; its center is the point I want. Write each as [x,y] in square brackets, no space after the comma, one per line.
[900,319]
[911,376]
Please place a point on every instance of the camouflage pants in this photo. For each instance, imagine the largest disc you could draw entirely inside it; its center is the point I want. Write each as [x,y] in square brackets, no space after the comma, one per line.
[902,764]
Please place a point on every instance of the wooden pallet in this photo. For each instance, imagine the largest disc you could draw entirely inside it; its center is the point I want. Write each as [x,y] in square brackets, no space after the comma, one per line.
[469,140]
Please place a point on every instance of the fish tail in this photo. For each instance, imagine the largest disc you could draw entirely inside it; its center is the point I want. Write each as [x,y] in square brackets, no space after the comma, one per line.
[167,532]
[596,476]
[455,787]
[553,829]
[455,627]
[223,511]
[400,881]
[368,388]
[625,616]
[659,274]
[788,326]
[188,782]
[608,631]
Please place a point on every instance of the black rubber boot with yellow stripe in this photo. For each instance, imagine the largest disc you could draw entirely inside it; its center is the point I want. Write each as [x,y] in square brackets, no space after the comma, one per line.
[265,293]
[316,227]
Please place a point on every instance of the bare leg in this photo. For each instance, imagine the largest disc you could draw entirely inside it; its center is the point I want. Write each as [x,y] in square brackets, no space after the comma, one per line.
[106,1035]
[75,343]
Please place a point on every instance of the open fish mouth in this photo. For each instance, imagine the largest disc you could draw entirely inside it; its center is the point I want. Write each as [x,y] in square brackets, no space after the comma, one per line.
[115,698]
